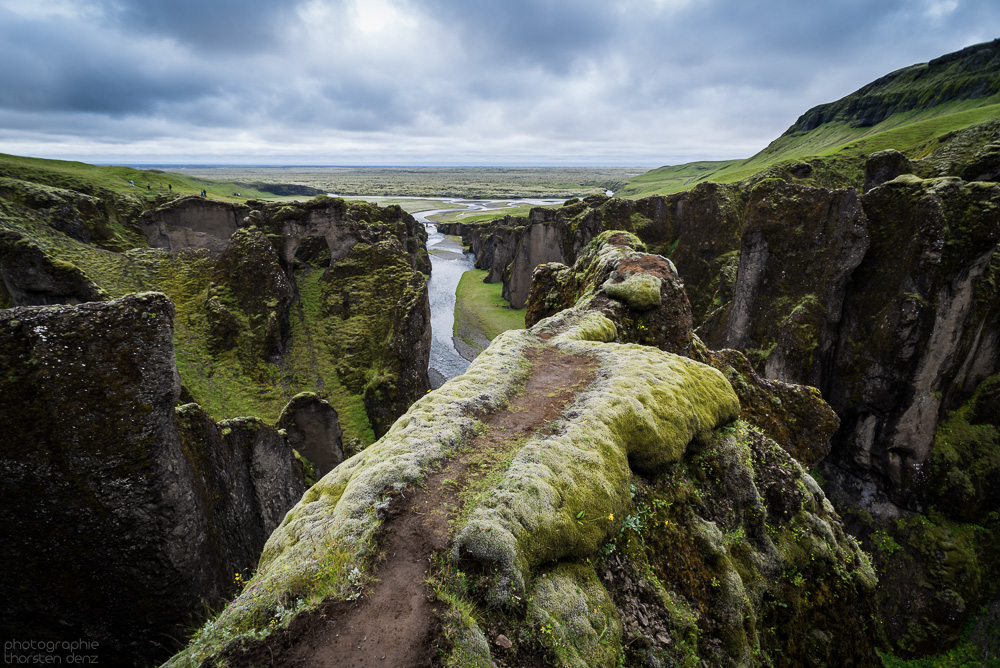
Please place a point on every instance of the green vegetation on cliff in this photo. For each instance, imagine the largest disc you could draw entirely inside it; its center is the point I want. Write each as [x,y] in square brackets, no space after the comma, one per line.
[252,329]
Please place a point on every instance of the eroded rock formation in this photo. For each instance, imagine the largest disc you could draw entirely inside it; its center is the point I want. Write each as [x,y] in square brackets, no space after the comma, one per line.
[640,523]
[313,430]
[120,517]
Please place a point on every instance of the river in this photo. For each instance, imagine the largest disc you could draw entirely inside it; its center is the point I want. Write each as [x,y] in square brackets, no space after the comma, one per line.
[448,262]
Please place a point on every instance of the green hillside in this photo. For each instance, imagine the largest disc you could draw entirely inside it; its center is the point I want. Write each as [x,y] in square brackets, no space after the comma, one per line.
[906,110]
[88,179]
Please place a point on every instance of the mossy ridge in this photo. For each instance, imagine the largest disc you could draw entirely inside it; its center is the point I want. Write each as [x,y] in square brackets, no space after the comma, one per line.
[642,412]
[342,509]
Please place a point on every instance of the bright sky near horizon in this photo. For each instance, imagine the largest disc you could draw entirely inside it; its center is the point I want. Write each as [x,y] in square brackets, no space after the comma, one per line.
[410,82]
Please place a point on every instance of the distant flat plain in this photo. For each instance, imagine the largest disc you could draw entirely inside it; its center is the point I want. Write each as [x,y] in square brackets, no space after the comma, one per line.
[463,182]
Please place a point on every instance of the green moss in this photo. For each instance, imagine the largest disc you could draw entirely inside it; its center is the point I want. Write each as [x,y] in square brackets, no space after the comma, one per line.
[574,617]
[644,410]
[341,510]
[640,291]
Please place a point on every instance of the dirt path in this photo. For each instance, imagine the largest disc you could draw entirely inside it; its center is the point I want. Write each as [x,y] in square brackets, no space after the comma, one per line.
[395,624]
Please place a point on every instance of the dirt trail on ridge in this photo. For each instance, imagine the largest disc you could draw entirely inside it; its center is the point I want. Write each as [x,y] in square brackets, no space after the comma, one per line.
[395,623]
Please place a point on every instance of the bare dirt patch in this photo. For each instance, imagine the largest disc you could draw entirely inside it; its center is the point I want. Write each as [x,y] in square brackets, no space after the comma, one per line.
[395,623]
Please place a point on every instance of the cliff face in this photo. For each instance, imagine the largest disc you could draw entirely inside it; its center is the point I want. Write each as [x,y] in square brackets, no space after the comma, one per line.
[120,517]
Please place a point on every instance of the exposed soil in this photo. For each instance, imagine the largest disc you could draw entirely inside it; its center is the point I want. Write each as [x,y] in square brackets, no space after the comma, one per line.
[395,623]
[654,265]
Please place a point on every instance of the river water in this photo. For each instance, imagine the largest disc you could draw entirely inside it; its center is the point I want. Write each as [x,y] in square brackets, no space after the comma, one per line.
[448,262]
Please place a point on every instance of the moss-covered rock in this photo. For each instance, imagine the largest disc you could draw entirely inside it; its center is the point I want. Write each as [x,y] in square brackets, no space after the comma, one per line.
[741,557]
[641,293]
[313,430]
[32,278]
[793,416]
[734,556]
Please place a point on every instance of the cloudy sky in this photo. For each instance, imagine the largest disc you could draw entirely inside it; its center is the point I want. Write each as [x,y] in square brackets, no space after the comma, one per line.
[406,82]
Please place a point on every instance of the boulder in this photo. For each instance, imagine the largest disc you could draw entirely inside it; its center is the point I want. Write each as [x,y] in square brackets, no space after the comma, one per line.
[885,166]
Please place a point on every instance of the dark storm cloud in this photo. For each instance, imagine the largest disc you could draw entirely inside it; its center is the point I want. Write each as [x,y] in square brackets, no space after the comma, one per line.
[549,34]
[578,78]
[57,66]
[217,25]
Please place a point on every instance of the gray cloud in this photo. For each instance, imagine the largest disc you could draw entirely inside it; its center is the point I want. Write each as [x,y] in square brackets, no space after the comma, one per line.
[323,81]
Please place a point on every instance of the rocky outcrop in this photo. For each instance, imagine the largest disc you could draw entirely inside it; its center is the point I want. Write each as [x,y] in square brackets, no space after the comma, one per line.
[80,216]
[885,166]
[273,299]
[313,430]
[698,230]
[382,347]
[120,518]
[643,295]
[886,302]
[538,244]
[247,305]
[641,525]
[192,222]
[921,326]
[195,222]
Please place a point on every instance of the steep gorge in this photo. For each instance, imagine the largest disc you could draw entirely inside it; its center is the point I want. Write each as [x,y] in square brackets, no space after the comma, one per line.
[140,510]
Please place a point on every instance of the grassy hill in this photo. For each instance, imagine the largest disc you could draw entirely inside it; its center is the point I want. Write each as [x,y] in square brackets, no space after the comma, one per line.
[906,110]
[85,178]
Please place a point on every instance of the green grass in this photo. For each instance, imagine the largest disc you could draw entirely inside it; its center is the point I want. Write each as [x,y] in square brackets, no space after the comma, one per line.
[87,178]
[483,216]
[674,178]
[483,306]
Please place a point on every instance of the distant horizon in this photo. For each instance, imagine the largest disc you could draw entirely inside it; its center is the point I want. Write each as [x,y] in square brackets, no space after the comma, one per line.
[221,165]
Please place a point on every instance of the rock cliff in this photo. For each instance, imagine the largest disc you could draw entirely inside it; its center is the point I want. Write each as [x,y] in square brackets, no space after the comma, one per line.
[122,516]
[272,300]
